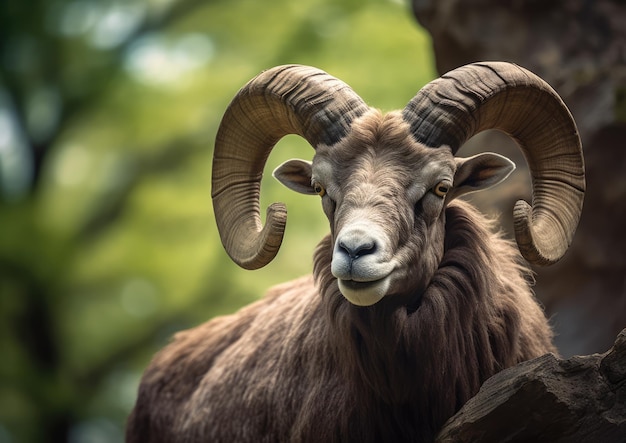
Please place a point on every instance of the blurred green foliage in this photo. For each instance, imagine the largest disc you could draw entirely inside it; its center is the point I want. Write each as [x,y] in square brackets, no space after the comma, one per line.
[108,110]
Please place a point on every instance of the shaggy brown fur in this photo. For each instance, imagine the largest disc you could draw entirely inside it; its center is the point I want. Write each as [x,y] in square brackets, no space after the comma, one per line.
[305,365]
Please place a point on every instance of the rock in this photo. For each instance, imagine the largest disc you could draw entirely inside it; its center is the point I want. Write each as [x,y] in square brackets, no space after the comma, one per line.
[579,47]
[580,399]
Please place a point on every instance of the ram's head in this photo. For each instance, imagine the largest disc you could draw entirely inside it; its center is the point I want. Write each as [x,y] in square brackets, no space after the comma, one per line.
[385,180]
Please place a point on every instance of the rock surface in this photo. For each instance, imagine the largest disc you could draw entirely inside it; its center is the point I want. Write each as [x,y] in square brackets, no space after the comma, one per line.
[580,399]
[579,47]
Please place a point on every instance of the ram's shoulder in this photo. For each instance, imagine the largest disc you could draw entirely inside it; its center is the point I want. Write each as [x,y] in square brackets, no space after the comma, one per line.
[208,340]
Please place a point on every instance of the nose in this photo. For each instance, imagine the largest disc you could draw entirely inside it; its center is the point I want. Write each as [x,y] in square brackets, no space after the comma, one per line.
[359,254]
[357,243]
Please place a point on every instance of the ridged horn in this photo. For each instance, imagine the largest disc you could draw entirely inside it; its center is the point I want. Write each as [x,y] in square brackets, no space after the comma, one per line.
[504,96]
[290,99]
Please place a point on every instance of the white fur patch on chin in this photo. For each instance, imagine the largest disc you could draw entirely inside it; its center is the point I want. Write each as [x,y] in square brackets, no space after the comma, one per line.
[364,293]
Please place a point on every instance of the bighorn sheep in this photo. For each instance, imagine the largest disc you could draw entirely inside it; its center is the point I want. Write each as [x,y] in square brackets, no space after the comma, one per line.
[413,301]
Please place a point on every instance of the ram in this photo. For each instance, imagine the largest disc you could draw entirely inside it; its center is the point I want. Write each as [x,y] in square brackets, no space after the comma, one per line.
[414,299]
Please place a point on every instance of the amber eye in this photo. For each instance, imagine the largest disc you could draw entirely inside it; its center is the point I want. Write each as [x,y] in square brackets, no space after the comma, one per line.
[441,189]
[319,189]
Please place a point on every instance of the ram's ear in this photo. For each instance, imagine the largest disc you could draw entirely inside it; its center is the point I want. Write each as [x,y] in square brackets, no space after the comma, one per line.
[479,172]
[296,175]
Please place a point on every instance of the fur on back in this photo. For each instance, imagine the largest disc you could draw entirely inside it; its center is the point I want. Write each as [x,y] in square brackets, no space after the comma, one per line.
[303,364]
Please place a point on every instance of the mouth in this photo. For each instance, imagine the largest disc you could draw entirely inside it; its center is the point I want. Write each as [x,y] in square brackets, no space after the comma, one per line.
[354,285]
[364,293]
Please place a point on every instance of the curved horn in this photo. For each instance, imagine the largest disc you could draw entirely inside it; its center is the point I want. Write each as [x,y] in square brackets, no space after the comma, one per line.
[504,96]
[284,100]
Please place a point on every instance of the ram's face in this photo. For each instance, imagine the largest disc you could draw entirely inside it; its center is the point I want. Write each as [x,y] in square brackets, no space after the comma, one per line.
[384,195]
[385,180]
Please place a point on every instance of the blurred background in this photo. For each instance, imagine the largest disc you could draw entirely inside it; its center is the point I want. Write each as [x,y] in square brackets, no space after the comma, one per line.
[108,245]
[108,112]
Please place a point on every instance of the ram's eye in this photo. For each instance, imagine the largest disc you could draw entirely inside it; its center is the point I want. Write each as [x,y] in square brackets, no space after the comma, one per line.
[441,189]
[319,189]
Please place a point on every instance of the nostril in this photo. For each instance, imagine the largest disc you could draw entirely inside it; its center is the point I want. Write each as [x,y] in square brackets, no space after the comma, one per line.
[358,249]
